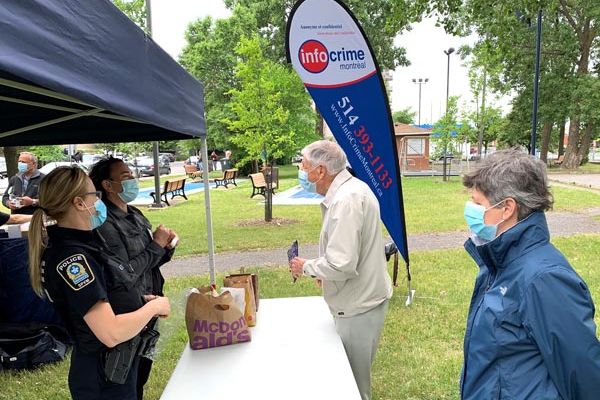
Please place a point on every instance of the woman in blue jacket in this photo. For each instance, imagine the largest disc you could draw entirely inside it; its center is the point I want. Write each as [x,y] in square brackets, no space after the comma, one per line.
[530,330]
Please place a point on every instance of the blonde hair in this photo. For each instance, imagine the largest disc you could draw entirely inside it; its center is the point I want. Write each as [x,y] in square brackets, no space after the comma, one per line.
[56,193]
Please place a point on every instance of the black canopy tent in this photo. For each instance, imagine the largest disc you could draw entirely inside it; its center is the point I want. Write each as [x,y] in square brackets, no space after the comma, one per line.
[74,71]
[78,71]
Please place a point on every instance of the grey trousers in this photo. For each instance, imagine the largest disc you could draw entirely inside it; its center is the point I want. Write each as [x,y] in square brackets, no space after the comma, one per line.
[360,336]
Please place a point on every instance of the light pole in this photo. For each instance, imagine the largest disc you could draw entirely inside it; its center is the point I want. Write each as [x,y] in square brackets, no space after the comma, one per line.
[420,82]
[447,53]
[536,82]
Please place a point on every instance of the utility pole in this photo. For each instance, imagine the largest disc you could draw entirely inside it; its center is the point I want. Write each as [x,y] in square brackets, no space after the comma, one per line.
[447,52]
[536,82]
[157,202]
[482,114]
[420,82]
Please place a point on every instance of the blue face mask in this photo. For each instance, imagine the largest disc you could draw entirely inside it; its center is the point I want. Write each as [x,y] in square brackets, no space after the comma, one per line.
[474,215]
[306,184]
[97,218]
[22,167]
[130,190]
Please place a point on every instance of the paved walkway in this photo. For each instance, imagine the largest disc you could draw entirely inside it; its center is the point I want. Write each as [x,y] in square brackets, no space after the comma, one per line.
[560,224]
[591,181]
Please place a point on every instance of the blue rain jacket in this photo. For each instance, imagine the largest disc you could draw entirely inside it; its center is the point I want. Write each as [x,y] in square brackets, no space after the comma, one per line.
[530,329]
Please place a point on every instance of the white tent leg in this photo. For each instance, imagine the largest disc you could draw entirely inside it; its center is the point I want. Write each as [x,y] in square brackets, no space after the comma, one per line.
[209,230]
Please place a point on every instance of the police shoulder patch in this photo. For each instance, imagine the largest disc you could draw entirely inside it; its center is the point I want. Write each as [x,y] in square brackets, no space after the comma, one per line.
[76,271]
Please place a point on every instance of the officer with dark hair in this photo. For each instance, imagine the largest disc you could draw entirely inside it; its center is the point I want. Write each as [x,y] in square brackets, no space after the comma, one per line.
[128,234]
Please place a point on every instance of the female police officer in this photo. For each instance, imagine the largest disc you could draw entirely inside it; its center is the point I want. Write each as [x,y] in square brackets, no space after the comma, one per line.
[127,234]
[103,318]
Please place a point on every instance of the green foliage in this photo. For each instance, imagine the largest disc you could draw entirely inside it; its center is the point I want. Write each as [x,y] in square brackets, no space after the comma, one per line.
[135,10]
[446,126]
[374,16]
[506,50]
[271,111]
[46,154]
[405,116]
[210,56]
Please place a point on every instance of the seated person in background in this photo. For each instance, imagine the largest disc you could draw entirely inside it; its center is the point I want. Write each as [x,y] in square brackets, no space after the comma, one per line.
[23,186]
[18,302]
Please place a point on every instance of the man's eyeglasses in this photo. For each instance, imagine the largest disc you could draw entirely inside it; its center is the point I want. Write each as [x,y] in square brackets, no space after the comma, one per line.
[98,194]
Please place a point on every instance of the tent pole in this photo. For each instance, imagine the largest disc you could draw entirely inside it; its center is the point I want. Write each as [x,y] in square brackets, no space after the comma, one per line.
[209,230]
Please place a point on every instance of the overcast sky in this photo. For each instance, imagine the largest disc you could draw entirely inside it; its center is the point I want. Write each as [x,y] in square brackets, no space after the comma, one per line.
[425,46]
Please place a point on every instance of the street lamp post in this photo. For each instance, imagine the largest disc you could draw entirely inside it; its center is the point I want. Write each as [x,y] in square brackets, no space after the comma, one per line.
[536,82]
[447,52]
[420,82]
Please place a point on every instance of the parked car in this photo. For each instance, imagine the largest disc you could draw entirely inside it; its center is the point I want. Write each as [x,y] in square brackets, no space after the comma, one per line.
[449,156]
[297,159]
[2,167]
[90,159]
[169,156]
[145,166]
[46,169]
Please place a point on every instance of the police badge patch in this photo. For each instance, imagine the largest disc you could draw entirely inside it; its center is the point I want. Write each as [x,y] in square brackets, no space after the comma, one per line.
[76,271]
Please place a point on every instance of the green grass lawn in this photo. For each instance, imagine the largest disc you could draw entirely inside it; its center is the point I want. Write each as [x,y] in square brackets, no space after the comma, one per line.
[238,221]
[430,206]
[588,168]
[420,354]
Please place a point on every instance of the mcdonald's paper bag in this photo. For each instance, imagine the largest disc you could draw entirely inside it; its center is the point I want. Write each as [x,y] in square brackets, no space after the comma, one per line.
[244,281]
[214,321]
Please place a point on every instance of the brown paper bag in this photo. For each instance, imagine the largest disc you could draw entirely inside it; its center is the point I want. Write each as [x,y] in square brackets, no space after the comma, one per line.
[254,285]
[214,321]
[244,281]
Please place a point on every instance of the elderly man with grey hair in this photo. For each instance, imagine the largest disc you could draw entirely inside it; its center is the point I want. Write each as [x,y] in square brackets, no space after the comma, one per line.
[351,265]
[530,329]
[21,195]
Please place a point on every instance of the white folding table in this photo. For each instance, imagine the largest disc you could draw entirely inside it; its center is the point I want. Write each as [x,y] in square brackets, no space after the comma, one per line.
[295,354]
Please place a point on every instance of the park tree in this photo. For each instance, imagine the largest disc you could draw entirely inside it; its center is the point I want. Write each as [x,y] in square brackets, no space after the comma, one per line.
[271,114]
[445,129]
[374,15]
[404,116]
[210,56]
[135,10]
[569,57]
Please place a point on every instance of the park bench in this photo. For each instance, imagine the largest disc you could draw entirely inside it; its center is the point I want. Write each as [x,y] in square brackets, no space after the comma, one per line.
[228,178]
[192,171]
[174,188]
[560,160]
[259,184]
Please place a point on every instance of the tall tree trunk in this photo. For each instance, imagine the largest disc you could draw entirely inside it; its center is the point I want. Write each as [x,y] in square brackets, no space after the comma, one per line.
[561,138]
[10,154]
[571,159]
[584,148]
[546,133]
[586,35]
[319,124]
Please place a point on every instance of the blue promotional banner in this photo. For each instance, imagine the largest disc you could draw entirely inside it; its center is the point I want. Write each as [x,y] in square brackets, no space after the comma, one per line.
[329,50]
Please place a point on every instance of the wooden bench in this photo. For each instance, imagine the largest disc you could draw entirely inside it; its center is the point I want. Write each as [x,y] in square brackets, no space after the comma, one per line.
[192,171]
[174,188]
[228,178]
[259,184]
[274,176]
[560,160]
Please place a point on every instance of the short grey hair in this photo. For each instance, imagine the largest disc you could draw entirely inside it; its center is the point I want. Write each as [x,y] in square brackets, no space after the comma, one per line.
[511,173]
[326,153]
[32,156]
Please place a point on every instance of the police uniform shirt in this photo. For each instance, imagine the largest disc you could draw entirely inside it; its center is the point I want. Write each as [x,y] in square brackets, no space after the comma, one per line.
[74,281]
[128,235]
